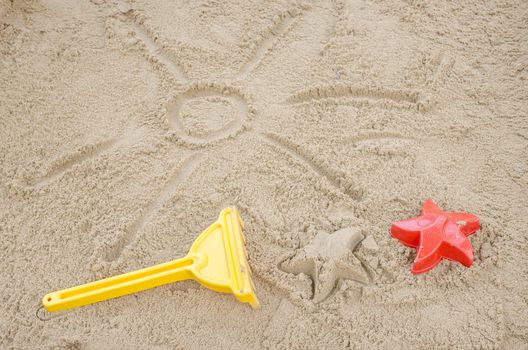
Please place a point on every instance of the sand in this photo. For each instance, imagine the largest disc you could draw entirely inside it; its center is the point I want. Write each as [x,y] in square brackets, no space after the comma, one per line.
[126,127]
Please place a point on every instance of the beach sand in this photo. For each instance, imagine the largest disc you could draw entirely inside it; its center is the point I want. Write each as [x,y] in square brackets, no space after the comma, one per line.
[126,127]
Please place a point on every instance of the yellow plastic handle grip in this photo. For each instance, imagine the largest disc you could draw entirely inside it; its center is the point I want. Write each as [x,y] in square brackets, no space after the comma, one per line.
[217,260]
[132,282]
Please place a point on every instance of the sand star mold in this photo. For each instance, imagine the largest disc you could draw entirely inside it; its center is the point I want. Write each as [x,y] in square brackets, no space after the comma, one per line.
[327,259]
[437,235]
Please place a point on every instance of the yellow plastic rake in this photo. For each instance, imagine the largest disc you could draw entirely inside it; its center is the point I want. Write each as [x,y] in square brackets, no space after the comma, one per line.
[217,260]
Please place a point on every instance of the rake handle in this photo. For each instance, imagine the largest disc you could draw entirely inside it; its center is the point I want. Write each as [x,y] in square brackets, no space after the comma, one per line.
[116,286]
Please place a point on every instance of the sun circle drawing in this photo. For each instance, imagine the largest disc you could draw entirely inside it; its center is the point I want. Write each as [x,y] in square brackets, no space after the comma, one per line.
[204,115]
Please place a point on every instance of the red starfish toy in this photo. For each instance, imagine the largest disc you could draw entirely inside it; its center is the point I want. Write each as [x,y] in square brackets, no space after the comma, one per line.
[437,235]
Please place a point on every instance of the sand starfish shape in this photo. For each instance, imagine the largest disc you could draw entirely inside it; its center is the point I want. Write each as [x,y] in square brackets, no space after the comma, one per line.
[328,259]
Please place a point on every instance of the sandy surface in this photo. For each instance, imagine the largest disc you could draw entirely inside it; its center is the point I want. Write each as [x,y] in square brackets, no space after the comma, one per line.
[126,127]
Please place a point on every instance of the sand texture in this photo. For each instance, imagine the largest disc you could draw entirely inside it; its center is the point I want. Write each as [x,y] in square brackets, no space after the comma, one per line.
[125,127]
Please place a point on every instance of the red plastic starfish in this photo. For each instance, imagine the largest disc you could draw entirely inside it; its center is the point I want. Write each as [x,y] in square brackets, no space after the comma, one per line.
[437,235]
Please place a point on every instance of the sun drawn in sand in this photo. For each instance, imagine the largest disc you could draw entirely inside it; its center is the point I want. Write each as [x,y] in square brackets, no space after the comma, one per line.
[203,114]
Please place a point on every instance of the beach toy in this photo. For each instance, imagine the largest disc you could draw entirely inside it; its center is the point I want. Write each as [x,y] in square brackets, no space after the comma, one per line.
[217,260]
[437,235]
